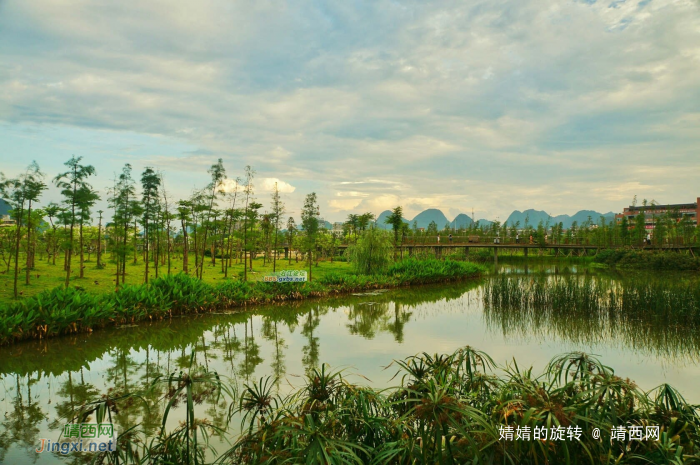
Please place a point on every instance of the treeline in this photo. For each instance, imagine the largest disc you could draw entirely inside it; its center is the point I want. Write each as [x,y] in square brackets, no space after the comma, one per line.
[670,229]
[223,221]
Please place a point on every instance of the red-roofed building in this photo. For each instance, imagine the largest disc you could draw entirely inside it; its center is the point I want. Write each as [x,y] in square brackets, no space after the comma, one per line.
[652,212]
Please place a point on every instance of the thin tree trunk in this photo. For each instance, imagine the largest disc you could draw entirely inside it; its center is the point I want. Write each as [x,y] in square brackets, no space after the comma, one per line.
[185,249]
[168,237]
[156,251]
[72,224]
[82,257]
[18,236]
[146,244]
[99,243]
[310,261]
[126,237]
[29,244]
[136,253]
[55,245]
[274,254]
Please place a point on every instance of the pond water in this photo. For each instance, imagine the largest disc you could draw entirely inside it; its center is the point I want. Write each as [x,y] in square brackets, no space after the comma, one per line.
[42,382]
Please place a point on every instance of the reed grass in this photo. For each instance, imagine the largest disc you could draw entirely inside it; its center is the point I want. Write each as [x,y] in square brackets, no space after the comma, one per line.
[657,301]
[658,316]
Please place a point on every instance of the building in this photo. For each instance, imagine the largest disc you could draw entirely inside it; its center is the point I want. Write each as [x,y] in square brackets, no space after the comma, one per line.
[653,212]
[6,221]
[338,229]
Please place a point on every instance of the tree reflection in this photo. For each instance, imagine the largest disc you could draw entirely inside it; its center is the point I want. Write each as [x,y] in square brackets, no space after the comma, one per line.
[251,352]
[312,348]
[20,425]
[271,333]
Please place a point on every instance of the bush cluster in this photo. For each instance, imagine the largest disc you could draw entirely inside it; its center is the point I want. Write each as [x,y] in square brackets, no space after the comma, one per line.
[646,260]
[69,310]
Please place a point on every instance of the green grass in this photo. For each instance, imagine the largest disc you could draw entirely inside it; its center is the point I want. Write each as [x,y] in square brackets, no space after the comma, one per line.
[72,310]
[98,281]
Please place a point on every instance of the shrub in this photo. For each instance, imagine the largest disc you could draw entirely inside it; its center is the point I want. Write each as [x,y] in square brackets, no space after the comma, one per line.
[425,271]
[656,261]
[372,253]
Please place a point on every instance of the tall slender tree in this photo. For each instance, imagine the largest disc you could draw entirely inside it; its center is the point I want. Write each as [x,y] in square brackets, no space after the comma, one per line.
[233,216]
[85,200]
[19,191]
[69,183]
[183,212]
[218,175]
[34,185]
[277,211]
[122,202]
[291,232]
[248,191]
[99,240]
[396,222]
[150,184]
[167,218]
[53,210]
[310,223]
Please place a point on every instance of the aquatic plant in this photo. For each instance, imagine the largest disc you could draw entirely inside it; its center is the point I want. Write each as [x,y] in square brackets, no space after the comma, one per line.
[447,409]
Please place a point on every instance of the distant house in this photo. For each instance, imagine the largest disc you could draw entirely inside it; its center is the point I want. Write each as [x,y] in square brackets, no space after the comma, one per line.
[652,212]
[338,229]
[6,221]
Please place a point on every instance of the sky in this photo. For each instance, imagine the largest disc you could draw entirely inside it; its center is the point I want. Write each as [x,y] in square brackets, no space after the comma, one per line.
[458,105]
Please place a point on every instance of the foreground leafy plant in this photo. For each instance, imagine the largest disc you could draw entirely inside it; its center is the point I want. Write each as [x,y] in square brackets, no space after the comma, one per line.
[447,409]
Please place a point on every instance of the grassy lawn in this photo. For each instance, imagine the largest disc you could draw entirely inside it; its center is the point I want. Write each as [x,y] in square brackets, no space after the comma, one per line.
[47,276]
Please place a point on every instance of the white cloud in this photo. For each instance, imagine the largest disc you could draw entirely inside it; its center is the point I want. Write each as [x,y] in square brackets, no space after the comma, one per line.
[487,104]
[268,185]
[230,186]
[340,205]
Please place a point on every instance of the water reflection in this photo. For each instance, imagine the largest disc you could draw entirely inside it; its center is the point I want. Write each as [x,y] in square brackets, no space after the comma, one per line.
[42,383]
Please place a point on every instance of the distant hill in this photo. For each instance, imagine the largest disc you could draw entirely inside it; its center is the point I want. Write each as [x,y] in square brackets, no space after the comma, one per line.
[583,215]
[321,224]
[461,221]
[535,216]
[424,218]
[4,208]
[381,220]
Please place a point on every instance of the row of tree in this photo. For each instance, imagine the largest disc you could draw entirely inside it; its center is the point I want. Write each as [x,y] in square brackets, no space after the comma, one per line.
[670,228]
[221,220]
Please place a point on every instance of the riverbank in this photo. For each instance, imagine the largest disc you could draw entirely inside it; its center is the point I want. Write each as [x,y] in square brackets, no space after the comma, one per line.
[69,310]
